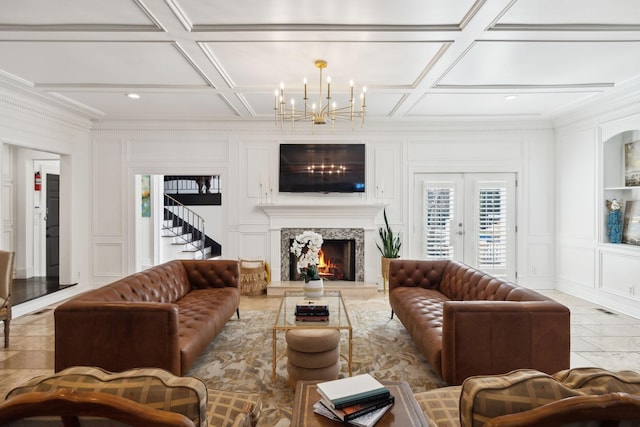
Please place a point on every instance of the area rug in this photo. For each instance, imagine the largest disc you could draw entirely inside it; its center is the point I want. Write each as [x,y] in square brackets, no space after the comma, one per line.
[239,359]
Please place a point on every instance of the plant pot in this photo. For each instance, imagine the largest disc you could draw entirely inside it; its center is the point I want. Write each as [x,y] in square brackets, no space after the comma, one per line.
[313,288]
[385,271]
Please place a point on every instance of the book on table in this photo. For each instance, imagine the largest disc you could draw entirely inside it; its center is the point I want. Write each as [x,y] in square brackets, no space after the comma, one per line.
[303,318]
[355,411]
[312,308]
[350,391]
[312,304]
[367,419]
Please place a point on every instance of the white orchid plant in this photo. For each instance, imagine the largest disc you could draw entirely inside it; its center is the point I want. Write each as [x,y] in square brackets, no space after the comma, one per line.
[306,247]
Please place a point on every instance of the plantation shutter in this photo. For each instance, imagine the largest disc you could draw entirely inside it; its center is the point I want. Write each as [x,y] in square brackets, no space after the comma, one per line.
[492,228]
[439,200]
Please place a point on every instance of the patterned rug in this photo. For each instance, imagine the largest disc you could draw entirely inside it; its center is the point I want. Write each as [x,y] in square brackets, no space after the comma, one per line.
[239,359]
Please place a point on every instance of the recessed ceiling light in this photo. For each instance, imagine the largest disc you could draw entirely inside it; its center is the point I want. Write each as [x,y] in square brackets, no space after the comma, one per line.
[133,96]
[510,97]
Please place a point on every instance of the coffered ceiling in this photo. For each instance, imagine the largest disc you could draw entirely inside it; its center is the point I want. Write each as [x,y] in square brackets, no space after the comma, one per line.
[222,60]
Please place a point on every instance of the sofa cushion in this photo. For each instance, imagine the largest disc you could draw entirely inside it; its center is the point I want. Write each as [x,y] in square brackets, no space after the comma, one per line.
[231,409]
[486,397]
[203,315]
[420,311]
[441,406]
[156,388]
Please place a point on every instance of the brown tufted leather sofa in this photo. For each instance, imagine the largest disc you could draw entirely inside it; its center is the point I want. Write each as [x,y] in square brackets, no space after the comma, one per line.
[467,322]
[163,317]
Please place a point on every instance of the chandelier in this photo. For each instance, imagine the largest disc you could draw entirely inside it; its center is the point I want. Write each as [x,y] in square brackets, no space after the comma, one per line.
[322,112]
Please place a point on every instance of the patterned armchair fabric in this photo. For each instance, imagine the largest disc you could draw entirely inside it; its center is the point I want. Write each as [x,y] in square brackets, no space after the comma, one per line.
[483,398]
[488,397]
[7,267]
[155,388]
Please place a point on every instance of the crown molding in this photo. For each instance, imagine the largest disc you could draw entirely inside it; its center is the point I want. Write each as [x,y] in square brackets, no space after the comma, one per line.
[27,104]
[371,131]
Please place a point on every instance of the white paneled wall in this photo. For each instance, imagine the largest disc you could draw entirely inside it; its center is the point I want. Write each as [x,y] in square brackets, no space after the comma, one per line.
[248,162]
[109,211]
[587,265]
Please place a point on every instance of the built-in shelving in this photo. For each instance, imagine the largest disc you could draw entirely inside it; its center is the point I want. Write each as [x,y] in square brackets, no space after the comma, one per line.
[618,263]
[613,175]
[620,188]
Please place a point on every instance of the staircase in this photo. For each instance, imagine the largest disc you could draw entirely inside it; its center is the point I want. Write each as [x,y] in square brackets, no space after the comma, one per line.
[183,233]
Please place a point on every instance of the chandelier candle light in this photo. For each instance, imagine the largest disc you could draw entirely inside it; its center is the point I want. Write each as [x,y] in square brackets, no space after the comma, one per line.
[320,113]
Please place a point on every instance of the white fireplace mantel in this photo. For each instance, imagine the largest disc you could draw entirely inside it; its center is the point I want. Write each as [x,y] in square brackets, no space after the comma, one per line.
[318,215]
[363,216]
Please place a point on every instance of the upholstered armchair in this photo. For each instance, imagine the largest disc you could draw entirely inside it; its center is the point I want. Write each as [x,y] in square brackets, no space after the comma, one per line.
[91,397]
[6,281]
[528,398]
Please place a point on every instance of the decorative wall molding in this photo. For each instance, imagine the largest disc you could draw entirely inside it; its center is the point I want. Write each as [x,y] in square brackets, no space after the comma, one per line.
[417,127]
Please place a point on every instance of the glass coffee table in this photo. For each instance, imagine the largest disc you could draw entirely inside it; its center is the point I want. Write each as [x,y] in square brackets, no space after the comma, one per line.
[286,319]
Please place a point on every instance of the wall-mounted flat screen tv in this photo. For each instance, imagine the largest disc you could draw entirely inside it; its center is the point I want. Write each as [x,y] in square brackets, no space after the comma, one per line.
[323,168]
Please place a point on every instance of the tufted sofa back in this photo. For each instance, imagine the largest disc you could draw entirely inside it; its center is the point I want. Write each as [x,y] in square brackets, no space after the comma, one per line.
[164,283]
[168,282]
[457,281]
[218,274]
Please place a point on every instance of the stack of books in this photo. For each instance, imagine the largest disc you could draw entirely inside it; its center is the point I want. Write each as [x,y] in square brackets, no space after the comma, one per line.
[360,400]
[312,310]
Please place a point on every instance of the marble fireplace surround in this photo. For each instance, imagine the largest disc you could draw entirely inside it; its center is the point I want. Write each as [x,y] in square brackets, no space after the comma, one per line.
[357,221]
[357,234]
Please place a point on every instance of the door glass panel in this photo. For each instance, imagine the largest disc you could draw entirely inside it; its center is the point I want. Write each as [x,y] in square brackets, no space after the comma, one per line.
[439,208]
[492,228]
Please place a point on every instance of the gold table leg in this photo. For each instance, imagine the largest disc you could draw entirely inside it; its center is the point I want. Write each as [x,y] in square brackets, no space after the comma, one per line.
[350,351]
[273,358]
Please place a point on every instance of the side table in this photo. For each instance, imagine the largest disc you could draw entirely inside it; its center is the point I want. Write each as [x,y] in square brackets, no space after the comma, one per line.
[405,412]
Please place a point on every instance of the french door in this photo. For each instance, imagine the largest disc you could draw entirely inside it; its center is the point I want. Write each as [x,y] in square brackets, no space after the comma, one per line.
[468,217]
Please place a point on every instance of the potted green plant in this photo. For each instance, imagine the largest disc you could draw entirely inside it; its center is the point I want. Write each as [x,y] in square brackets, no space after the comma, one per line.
[389,248]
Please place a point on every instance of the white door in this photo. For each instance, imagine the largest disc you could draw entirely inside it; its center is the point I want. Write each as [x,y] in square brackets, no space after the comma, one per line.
[468,217]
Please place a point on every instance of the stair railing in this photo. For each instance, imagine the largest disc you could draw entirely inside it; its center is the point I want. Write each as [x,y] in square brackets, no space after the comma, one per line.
[188,221]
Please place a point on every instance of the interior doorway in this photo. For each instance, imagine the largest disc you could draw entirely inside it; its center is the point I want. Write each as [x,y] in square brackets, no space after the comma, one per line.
[26,176]
[52,228]
[36,229]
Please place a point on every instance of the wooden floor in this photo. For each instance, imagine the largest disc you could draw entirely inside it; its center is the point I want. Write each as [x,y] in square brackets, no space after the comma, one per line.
[34,287]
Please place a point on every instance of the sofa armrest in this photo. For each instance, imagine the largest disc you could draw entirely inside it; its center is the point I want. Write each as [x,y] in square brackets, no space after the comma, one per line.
[573,410]
[495,337]
[117,335]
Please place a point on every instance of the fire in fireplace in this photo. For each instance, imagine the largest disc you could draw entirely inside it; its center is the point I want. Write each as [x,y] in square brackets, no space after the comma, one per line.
[337,260]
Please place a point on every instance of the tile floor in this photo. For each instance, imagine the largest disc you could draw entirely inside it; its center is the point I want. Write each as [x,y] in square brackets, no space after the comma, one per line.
[600,338]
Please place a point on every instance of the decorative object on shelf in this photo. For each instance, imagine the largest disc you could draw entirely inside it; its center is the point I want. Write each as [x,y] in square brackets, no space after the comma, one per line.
[306,247]
[615,221]
[631,230]
[632,164]
[390,248]
[320,113]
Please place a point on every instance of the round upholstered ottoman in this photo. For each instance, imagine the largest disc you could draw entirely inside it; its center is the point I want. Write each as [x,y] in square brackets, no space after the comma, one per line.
[312,354]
